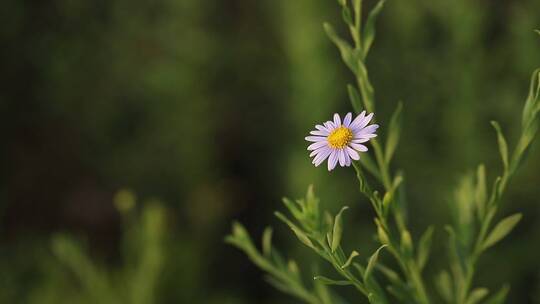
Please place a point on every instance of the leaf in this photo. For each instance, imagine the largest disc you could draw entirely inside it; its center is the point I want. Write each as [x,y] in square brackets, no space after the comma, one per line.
[267,241]
[328,281]
[503,147]
[381,233]
[338,230]
[406,242]
[537,31]
[301,235]
[350,259]
[502,229]
[371,263]
[355,98]
[481,191]
[499,297]
[312,205]
[394,130]
[293,208]
[369,30]
[346,15]
[424,247]
[477,295]
[534,88]
[344,47]
[374,299]
[444,285]
[370,166]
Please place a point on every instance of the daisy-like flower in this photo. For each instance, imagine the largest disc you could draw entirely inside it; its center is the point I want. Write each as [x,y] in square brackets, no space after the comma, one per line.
[341,142]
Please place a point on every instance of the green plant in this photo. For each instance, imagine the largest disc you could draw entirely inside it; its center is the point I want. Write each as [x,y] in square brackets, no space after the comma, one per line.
[474,208]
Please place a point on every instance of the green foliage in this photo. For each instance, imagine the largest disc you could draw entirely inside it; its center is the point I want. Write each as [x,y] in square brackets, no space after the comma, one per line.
[137,281]
[473,207]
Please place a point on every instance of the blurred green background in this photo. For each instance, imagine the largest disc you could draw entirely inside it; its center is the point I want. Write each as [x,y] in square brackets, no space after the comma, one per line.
[199,109]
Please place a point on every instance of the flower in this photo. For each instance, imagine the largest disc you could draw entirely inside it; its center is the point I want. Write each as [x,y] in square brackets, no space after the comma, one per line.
[341,142]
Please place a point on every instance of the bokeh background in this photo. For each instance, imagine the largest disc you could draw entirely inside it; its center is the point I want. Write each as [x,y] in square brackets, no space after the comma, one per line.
[134,132]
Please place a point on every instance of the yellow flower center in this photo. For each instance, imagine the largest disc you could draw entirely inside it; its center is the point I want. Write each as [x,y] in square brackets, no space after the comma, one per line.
[340,137]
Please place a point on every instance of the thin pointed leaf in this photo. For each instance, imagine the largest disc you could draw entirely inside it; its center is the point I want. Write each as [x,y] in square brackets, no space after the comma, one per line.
[328,281]
[301,235]
[424,247]
[481,191]
[499,297]
[344,47]
[477,295]
[371,263]
[338,229]
[443,283]
[370,166]
[355,98]
[503,147]
[502,229]
[267,241]
[369,30]
[350,259]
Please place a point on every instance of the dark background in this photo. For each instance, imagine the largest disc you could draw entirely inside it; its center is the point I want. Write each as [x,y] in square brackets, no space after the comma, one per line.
[199,108]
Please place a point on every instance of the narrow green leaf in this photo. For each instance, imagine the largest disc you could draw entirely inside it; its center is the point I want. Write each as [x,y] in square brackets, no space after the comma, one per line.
[394,130]
[370,166]
[481,191]
[267,241]
[374,299]
[424,247]
[338,229]
[502,229]
[301,235]
[406,242]
[328,281]
[350,259]
[371,263]
[293,208]
[355,98]
[369,30]
[503,147]
[344,47]
[283,287]
[477,295]
[534,89]
[443,282]
[346,15]
[537,31]
[383,236]
[293,267]
[499,297]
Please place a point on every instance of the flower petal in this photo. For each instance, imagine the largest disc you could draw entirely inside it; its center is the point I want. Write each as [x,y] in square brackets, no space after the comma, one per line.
[362,123]
[337,120]
[321,157]
[360,140]
[332,160]
[315,138]
[358,147]
[348,160]
[369,129]
[329,125]
[341,157]
[322,128]
[320,133]
[358,119]
[353,154]
[317,145]
[347,120]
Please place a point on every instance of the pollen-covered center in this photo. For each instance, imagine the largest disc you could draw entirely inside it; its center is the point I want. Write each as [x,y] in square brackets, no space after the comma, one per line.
[340,137]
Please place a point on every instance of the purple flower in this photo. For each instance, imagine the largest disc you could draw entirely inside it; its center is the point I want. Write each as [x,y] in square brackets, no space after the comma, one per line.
[341,142]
